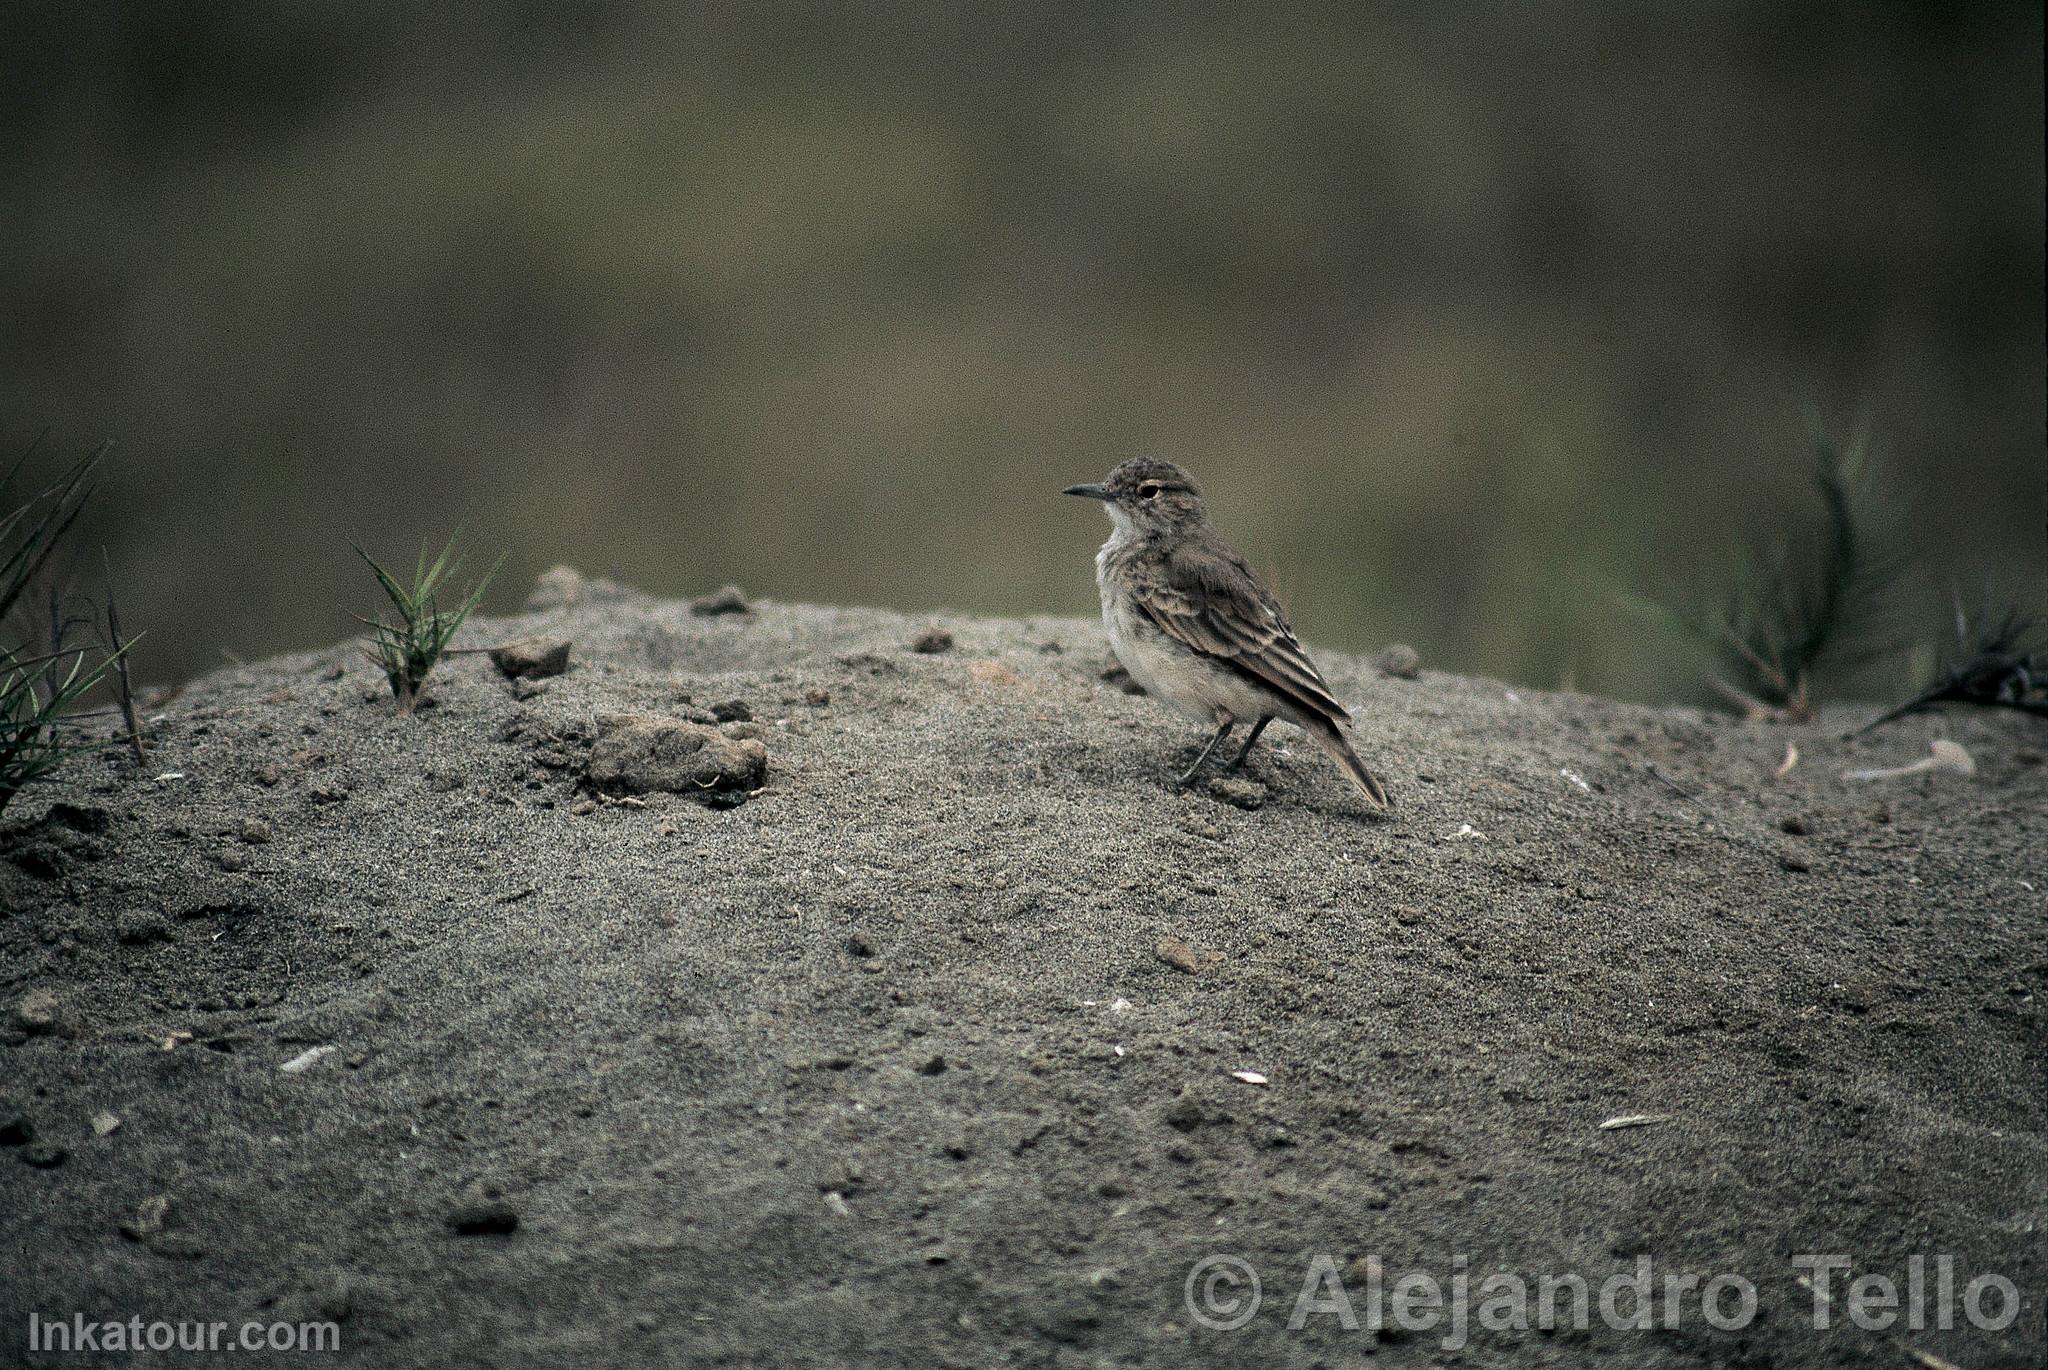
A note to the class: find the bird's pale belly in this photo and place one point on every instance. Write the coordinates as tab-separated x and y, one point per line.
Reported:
1173	674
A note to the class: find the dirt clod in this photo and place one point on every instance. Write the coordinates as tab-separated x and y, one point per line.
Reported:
1399	661
640	754
533	658
727	599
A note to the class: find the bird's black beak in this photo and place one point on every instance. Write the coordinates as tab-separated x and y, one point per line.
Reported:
1086	491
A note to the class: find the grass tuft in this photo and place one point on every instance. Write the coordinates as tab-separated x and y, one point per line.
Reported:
2000	660
38	689
406	651
1785	619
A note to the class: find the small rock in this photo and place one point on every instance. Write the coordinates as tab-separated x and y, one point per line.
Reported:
1400	661
533	658
935	1066
1235	789
1795	826
44	1155
639	753
727	599
230	860
523	689
1407	915
481	1210
583	808
1183	1115
860	946
105	1124
732	711
307	1059
269	776
330	790
932	641
1793	861
1183	956
39	1012
817	697
255	832
148	1220
140	927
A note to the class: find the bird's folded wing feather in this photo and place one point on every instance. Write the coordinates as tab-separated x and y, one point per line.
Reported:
1212	602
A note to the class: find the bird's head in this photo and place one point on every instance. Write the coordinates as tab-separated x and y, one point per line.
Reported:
1148	496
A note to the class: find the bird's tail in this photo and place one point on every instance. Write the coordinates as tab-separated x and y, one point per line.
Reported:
1338	745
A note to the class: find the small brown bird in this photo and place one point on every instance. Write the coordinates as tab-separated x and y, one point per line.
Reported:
1193	625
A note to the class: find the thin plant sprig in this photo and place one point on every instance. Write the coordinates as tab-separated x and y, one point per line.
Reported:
1782	623
2000	660
406	651
31	715
30	531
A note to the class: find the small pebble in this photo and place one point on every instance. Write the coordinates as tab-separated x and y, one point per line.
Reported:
1400	661
39	1012
1183	957
725	600
481	1210
532	657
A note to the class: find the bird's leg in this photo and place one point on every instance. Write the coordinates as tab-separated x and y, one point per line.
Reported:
1222	731
1249	743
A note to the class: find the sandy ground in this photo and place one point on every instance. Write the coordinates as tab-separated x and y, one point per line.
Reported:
887	1064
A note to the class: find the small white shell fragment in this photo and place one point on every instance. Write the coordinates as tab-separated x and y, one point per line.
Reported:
305	1059
1942	755
836	1201
105	1124
1634	1120
1120	1006
1575	778
1250	1077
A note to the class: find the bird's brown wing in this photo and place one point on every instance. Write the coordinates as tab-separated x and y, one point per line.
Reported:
1204	595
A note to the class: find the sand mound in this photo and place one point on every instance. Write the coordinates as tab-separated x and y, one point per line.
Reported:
958	1036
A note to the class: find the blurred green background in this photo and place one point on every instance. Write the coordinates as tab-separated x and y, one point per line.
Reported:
1465	314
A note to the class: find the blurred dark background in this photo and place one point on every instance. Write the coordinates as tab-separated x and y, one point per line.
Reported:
1465	314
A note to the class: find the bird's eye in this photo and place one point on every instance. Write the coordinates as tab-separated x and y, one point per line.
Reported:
1148	491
